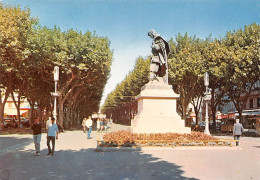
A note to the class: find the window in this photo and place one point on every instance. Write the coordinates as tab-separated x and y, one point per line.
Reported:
258	102
251	103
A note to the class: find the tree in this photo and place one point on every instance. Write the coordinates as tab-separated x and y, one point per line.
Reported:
186	70
244	64
15	27
120	103
84	61
216	57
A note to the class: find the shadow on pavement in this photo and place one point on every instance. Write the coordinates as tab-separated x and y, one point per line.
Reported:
87	164
13	142
245	134
24	131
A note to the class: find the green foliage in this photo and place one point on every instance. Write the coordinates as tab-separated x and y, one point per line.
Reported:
244	64
15	28
28	54
232	63
186	69
121	100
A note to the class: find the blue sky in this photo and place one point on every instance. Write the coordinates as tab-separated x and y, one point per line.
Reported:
126	22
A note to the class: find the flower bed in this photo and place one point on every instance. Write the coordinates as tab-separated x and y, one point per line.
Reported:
127	139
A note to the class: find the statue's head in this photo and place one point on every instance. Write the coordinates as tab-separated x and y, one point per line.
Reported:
152	33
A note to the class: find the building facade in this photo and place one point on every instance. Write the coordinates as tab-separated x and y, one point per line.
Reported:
11	110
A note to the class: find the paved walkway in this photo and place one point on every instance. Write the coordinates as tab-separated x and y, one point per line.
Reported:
76	158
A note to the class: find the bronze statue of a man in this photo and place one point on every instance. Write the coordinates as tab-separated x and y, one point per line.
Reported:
160	51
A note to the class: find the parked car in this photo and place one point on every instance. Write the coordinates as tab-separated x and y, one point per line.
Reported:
217	126
202	124
8	123
200	127
25	122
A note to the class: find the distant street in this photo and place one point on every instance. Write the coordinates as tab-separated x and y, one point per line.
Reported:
76	158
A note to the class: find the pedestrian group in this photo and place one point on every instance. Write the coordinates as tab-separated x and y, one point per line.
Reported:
52	134
53	129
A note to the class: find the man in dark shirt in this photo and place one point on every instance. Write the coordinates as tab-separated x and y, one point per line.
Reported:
37	134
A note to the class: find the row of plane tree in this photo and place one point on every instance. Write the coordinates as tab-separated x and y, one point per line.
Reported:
232	63
28	54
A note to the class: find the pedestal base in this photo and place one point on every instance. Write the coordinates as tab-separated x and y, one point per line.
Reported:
157	111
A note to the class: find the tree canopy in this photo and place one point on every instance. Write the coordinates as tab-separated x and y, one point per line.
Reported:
121	103
232	63
28	54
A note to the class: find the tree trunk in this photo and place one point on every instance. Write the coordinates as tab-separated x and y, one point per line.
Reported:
17	105
2	116
214	127
45	116
184	111
240	101
239	108
213	107
197	105
61	113
68	116
40	110
32	104
2	107
240	115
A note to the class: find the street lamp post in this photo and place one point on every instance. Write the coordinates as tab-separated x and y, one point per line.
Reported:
206	99
56	79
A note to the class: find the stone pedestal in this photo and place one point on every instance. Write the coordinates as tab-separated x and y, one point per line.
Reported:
157	110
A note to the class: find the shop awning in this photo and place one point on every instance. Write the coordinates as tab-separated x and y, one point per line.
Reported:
98	115
249	112
13	112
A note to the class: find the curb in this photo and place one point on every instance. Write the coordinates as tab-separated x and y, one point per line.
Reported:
113	149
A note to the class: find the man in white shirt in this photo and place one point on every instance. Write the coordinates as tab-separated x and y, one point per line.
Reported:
48	122
51	134
88	124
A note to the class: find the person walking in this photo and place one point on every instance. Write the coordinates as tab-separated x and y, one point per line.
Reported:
84	124
101	125
111	122
51	135
88	124
48	122
98	125
105	124
37	135
237	131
